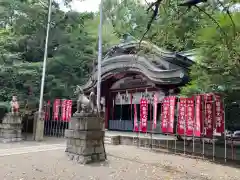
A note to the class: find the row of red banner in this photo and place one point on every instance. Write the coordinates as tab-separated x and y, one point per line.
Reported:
60	107
198	115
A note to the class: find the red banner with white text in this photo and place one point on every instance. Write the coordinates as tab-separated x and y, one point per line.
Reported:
199	120
172	101
63	110
68	110
219	114
135	119
190	116
181	116
208	121
143	114
56	106
165	114
155	101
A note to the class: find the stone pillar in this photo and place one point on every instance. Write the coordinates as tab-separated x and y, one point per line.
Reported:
11	128
38	126
85	139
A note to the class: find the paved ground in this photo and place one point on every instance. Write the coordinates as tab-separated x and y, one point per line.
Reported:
43	161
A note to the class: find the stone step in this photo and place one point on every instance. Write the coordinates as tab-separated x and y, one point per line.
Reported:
31	149
114	140
107	140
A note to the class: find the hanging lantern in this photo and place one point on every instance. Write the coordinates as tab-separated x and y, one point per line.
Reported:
126	96
147	94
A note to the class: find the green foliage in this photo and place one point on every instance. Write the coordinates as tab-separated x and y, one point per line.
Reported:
71	49
217	68
174	29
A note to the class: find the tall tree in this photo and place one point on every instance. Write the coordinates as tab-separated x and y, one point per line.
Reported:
71	49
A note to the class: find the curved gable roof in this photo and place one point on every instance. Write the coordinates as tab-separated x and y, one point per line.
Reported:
158	65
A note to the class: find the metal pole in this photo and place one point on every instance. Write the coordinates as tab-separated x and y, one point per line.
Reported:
99	56
178	105
214	125
45	58
194	125
225	140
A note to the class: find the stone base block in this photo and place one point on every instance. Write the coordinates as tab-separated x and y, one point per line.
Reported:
85	139
85	123
12	119
84	134
81	159
10	140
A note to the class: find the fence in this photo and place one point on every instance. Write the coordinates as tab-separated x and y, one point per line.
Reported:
200	131
57	117
219	150
216	145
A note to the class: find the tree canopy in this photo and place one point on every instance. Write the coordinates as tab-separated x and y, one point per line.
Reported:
72	47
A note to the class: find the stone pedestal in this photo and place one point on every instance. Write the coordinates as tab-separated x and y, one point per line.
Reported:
11	128
85	139
38	126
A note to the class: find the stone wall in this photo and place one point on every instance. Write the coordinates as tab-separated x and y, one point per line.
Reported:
11	128
85	139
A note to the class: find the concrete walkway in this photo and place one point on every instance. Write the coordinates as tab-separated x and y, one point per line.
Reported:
43	161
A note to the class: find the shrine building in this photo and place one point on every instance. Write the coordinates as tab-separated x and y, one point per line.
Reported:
128	74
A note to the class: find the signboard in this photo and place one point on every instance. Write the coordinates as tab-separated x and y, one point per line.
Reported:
190	116
143	114
181	116
199	119
56	106
208	120
136	97
165	115
219	114
172	100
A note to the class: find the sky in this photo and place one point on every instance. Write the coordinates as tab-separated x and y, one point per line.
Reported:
85	5
82	5
91	5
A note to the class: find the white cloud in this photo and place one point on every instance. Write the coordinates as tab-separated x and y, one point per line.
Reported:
81	5
85	5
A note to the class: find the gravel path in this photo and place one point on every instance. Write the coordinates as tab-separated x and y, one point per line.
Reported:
124	163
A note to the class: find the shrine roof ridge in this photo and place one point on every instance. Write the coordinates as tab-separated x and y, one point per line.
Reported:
158	65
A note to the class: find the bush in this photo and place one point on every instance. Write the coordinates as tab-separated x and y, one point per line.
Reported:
4	108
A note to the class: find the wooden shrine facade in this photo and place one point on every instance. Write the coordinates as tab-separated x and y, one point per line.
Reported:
128	75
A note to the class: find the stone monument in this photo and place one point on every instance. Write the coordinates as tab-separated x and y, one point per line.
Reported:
85	136
11	126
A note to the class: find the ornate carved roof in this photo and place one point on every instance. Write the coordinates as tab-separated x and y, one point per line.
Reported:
159	66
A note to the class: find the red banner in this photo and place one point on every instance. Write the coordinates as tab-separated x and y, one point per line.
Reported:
56	106
165	114
135	119
198	121
181	116
155	111
69	110
172	100
219	114
190	116
63	111
143	114
208	122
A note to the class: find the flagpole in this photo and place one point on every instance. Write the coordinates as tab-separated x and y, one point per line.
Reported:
99	56
45	58
225	139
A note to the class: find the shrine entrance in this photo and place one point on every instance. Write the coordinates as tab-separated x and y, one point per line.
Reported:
125	100
127	77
